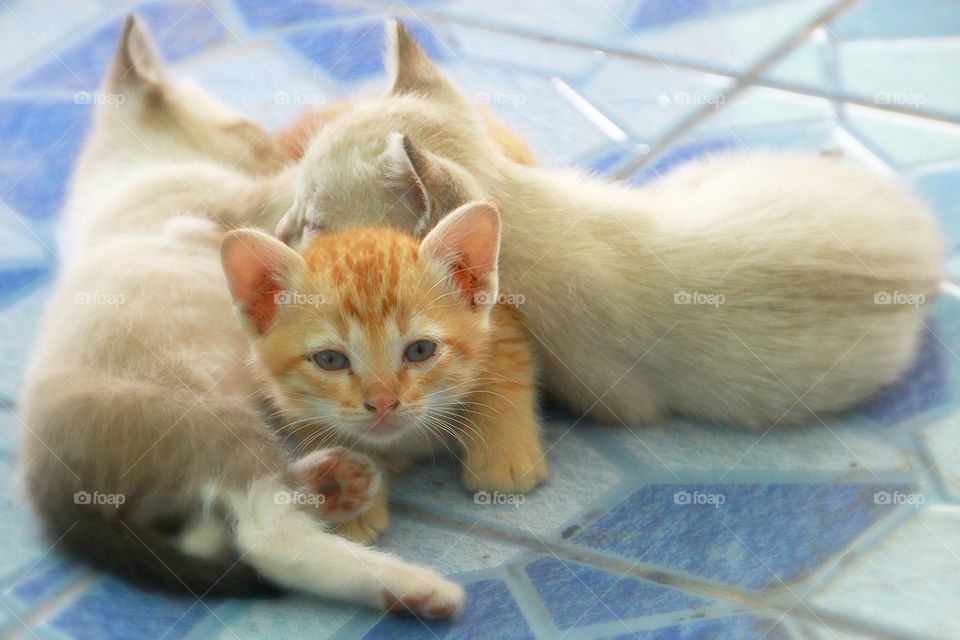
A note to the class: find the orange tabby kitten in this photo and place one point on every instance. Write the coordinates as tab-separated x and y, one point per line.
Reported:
376	341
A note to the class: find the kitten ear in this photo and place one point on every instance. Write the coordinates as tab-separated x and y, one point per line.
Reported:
261	272
467	244
425	183
135	62
411	69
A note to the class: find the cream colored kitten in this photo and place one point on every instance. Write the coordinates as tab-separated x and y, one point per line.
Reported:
748	289
139	408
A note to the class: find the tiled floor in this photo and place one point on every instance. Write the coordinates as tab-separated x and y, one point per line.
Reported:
845	530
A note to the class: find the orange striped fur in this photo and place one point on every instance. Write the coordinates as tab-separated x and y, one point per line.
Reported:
369	293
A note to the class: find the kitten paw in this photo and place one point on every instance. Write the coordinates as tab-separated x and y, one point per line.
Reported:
427	596
367	527
346	482
516	469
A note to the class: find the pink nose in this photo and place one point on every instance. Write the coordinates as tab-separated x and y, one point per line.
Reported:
381	401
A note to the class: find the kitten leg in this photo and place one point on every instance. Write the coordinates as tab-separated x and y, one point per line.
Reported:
502	449
346	483
371	524
287	545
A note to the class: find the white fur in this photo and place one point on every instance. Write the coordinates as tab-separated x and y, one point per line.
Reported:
796	247
145	392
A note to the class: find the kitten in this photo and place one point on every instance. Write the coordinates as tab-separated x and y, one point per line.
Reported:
395	347
293	140
139	410
744	289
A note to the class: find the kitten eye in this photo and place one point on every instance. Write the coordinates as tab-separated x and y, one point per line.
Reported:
420	350
313	227
331	360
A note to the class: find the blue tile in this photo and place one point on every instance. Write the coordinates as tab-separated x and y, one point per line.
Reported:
876	19
733	627
577	595
759	537
653	13
15	281
491	613
355	52
933	379
112	610
684	153
38	144
78	67
182	29
276	14
44	581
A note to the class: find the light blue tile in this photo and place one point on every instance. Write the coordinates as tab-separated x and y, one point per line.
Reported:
917	76
907	583
18	329
579	476
891	19
843	449
295	616
908	141
933	381
943	449
728	40
648	99
755	536
32	29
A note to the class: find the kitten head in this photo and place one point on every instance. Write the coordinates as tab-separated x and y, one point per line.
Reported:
403	160
166	112
369	331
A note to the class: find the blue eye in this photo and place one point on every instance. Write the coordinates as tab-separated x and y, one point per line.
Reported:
331	360
420	350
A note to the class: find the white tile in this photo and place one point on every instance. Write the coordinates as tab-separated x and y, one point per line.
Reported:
909	582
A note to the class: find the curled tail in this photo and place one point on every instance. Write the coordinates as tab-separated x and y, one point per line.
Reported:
146	558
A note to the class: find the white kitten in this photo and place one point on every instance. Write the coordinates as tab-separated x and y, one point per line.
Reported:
750	289
139	405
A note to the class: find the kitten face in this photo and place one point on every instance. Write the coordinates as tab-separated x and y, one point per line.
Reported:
371	333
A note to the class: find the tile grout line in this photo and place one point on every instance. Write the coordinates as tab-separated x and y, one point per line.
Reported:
624	568
656	60
741	84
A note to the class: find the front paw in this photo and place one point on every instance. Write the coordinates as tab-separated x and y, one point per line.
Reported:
515	468
368	526
343	483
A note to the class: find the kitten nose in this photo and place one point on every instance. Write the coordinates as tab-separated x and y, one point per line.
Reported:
381	401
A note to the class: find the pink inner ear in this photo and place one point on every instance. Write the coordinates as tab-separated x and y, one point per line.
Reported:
261	307
472	235
254	281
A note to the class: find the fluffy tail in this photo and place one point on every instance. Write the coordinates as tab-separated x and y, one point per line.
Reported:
148	559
